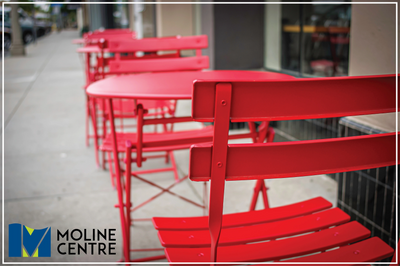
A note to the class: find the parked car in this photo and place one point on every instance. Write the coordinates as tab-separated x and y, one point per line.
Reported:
25	22
43	24
7	36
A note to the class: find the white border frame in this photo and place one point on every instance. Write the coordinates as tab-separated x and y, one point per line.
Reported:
201	3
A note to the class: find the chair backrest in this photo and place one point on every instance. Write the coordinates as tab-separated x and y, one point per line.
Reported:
94	38
224	101
158	63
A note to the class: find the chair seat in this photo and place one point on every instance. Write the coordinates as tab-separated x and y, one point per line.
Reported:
153	142
286	233
368	250
258	232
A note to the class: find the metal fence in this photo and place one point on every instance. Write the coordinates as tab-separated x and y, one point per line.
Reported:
369	196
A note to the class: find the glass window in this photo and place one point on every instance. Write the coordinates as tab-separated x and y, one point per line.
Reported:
315	39
290	38
121	17
6	17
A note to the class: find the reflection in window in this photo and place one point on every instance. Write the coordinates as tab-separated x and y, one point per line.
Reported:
324	33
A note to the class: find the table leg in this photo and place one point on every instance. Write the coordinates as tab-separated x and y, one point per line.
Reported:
118	181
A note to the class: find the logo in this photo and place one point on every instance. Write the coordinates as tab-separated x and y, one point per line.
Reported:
27	242
88	242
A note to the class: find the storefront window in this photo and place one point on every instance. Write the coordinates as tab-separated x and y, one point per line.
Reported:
121	17
315	39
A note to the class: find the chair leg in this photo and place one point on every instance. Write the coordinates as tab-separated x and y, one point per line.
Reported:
104	131
260	186
165	130
87	121
128	187
128	192
118	181
264	189
174	166
104	120
257	190
164	125
111	169
103	158
166	157
94	123
205	198
124	227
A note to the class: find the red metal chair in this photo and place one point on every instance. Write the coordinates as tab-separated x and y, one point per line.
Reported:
96	35
310	229
92	42
140	143
129	62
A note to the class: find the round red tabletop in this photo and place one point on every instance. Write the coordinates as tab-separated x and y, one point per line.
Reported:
172	85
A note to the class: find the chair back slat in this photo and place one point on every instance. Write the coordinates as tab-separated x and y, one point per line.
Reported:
299	99
158	65
158	44
300	158
155	62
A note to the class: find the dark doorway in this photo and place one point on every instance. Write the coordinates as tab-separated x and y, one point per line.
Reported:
239	36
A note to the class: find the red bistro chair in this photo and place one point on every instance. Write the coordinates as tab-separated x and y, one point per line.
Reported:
311	229
137	146
125	61
176	85
151	62
140	143
94	37
106	34
92	42
85	36
119	65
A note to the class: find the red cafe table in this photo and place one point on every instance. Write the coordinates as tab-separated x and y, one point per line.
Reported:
162	86
170	86
167	86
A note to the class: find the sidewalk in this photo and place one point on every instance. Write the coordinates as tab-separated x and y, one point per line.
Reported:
51	178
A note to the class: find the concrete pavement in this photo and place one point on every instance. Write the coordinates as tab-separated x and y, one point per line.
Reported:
50	176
